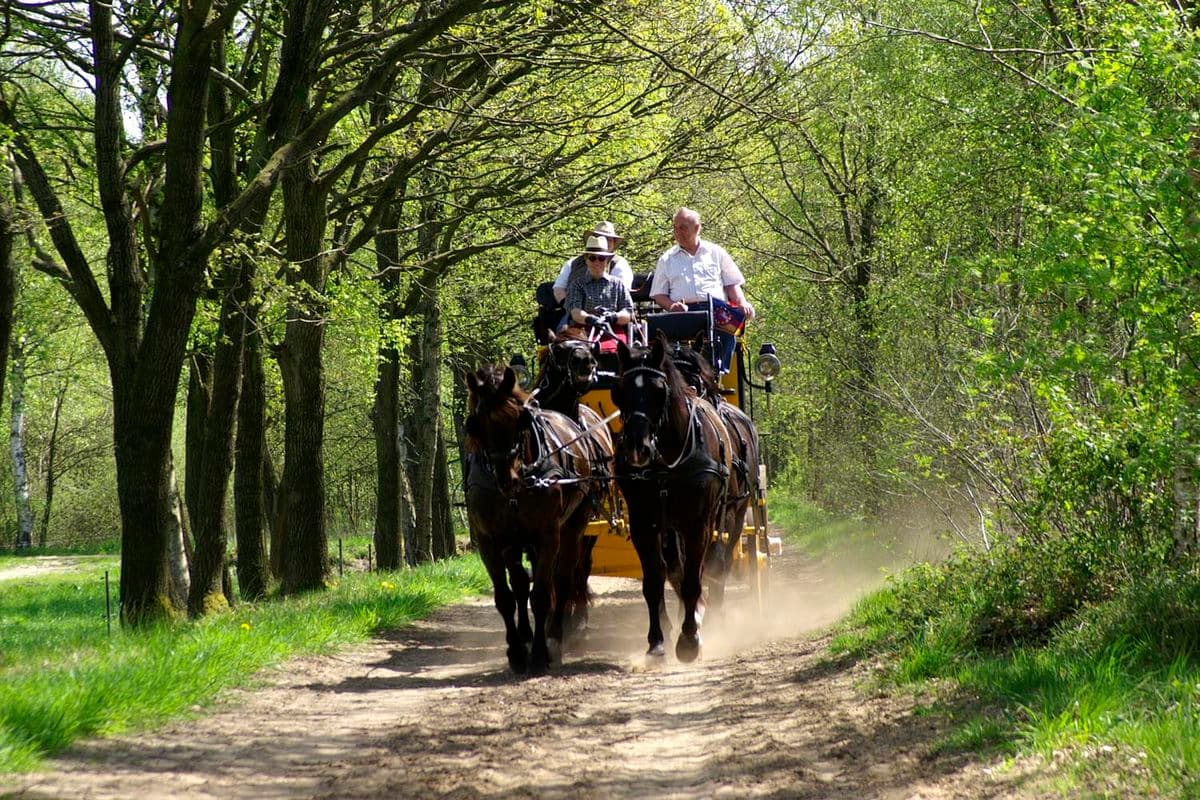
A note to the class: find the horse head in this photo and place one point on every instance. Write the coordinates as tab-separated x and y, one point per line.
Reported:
568	364
498	423
650	395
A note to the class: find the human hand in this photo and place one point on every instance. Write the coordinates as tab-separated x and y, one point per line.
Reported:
678	305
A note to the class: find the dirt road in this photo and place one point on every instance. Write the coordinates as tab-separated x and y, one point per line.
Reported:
431	711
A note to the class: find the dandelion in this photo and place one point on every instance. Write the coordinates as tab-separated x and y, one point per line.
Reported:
387	585
245	626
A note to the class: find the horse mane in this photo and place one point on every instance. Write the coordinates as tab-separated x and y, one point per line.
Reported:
676	385
697	371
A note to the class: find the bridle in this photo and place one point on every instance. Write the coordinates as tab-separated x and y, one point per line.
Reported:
690	442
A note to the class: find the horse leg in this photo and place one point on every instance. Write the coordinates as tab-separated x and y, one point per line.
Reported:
540	600
577	620
566	578
650	554
687	646
519	578
719	562
505	604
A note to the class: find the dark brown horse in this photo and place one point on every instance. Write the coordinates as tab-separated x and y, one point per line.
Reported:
746	490
673	461
567	370
527	487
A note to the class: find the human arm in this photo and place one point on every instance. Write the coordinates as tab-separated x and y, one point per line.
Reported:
736	297
664	301
660	288
560	283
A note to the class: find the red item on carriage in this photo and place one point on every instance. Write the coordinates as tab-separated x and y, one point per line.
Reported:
728	318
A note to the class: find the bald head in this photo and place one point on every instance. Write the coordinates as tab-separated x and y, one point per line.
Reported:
685	225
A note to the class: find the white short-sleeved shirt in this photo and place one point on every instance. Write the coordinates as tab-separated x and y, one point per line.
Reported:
688	278
618	267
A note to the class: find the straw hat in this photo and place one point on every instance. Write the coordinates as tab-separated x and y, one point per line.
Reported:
608	231
597	246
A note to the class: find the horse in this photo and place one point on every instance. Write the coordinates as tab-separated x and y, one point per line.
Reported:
527	489
746	490
567	370
673	464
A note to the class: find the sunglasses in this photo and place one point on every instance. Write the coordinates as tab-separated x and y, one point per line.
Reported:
598	258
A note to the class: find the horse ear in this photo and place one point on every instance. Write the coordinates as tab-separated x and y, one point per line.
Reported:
659	348
623	354
506	385
472	383
551	337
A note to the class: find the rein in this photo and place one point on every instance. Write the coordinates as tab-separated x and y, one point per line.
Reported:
586	432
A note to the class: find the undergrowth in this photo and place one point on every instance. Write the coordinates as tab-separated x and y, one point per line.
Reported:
63	677
1091	662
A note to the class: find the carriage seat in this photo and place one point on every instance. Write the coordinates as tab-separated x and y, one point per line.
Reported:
640	290
678	325
549	312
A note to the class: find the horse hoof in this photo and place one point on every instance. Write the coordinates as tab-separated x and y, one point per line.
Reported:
657	651
687	649
518	660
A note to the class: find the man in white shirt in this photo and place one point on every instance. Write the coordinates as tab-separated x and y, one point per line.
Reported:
694	270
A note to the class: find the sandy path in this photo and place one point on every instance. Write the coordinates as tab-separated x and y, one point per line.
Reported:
33	566
431	711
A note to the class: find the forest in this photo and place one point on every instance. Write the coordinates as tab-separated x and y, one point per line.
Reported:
249	250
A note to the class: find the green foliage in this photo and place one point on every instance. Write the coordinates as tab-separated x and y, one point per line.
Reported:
62	678
1113	680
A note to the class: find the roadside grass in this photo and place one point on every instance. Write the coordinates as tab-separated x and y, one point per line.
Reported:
1110	696
815	532
62	677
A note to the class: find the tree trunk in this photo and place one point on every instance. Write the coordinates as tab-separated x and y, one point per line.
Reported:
273	503
8	287
179	554
305	558
389	469
16	440
393	509
199	397
51	452
443	517
249	493
209	591
429	420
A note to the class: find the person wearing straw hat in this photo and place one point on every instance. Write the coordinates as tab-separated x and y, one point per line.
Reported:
598	296
576	266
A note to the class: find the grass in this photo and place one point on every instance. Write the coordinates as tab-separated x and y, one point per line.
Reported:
62	677
817	533
1111	697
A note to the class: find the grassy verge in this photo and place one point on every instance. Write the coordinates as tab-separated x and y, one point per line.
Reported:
1109	694
62	677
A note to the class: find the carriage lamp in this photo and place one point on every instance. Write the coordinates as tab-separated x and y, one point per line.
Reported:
767	365
524	379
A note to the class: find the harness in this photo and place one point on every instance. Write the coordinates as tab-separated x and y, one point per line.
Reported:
693	461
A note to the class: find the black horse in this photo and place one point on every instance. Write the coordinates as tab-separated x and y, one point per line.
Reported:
567	370
527	487
746	489
673	464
